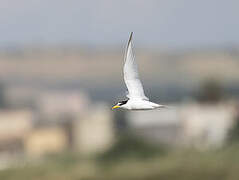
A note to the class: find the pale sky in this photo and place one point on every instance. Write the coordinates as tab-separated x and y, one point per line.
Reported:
156	23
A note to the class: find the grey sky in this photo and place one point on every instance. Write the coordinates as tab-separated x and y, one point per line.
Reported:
162	23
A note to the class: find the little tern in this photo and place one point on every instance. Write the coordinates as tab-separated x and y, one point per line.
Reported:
136	97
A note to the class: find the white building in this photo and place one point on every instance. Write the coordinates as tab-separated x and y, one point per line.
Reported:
207	124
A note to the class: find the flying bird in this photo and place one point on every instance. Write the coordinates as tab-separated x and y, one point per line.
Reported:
136	97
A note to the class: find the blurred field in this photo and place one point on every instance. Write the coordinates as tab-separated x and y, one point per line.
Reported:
177	164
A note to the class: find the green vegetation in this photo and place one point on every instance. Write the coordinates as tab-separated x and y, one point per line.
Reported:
177	164
2	96
234	133
211	91
128	147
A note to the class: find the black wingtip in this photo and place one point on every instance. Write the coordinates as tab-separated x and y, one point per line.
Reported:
131	35
130	38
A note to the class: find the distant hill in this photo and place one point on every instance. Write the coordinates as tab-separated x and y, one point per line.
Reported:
100	69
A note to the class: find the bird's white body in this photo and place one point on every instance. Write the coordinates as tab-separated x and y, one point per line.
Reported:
139	104
137	99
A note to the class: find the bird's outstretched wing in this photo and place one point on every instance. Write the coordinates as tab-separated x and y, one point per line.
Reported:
131	76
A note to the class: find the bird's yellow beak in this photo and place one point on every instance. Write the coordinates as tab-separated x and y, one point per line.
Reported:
114	107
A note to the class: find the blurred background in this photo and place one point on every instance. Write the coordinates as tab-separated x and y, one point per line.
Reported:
61	72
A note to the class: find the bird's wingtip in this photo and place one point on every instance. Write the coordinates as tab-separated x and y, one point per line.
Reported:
130	37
